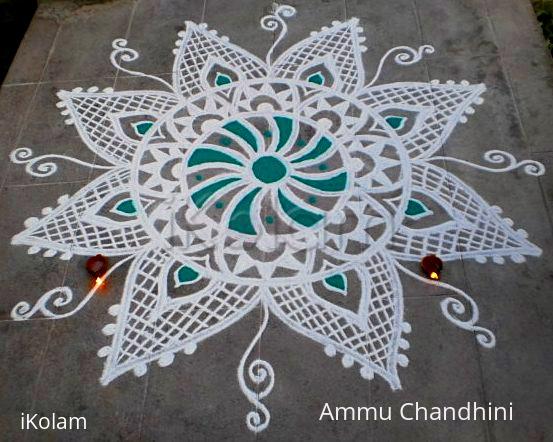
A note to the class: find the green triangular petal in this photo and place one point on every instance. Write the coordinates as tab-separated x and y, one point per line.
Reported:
417	209
222	79
316	78
142	127
336	283
396	122
185	275
126	207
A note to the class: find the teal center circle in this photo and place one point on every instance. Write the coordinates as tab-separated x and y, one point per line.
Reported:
269	169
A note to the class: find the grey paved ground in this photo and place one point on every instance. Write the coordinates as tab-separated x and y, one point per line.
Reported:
51	366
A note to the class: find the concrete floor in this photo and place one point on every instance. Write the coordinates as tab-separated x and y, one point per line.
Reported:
51	366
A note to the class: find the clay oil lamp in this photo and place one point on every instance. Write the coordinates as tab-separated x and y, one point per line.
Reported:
432	266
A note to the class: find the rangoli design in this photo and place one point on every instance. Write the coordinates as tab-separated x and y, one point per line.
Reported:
287	185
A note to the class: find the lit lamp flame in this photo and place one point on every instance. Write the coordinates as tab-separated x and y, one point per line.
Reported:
97	266
431	266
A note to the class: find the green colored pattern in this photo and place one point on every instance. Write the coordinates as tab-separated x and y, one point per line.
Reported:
302	216
142	127
241	219
206	155
285	126
281	169
222	79
322	146
396	122
332	184
186	275
243	132
417	209
269	169
316	78
336	282
126	207
205	193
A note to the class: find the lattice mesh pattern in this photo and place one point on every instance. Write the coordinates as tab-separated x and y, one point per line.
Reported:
148	331
446	102
375	343
94	116
198	46
68	228
339	43
480	230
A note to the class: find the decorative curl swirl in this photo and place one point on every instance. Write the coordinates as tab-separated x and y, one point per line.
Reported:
121	50
530	167
405	56
259	372
411	55
36	167
58	297
274	21
485	337
122	53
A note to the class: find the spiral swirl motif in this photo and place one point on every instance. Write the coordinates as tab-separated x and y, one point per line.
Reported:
259	174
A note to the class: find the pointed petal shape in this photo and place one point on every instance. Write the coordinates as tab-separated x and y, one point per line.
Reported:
88	223
369	336
200	50
476	231
152	325
336	49
337	282
100	116
435	110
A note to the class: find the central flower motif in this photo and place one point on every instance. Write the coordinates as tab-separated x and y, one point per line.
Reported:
268	171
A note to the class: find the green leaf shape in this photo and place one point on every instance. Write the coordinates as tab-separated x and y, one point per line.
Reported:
336	183
301	216
222	79
417	209
204	155
186	275
205	193
322	146
142	127
285	126
243	132
240	219
396	122
336	283
316	78
126	207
